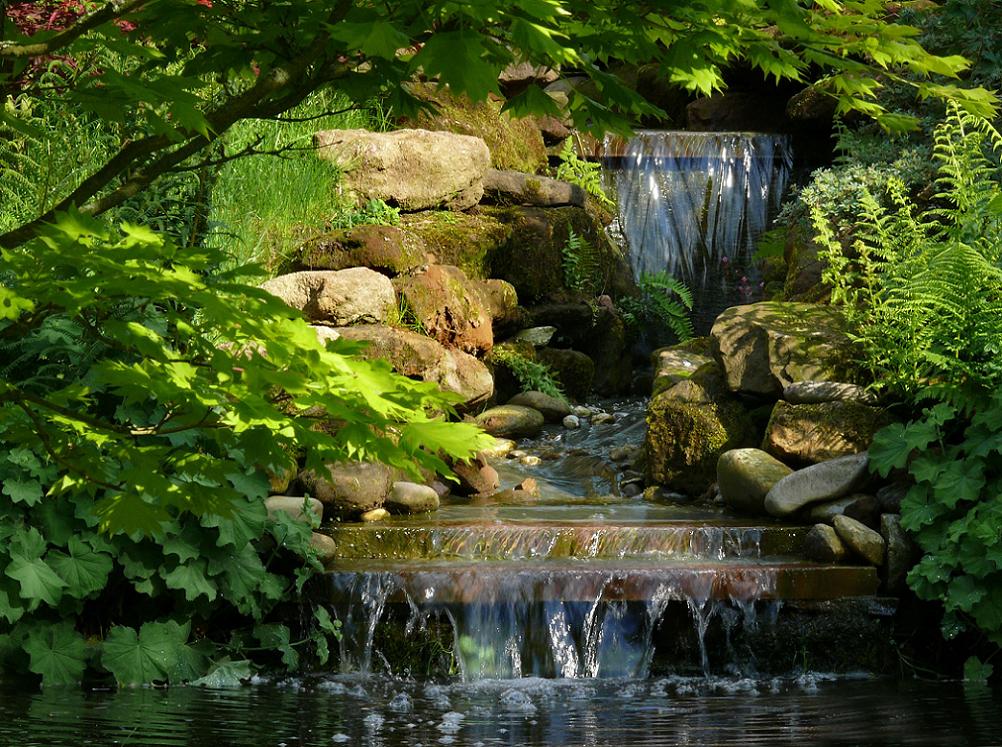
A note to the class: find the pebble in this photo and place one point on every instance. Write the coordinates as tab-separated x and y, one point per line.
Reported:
602	418
581	411
516	454
572	422
530	460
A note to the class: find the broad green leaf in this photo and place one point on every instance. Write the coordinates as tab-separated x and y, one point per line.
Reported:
144	657
28	492
977	671
190	578
38	582
84	571
226	675
57	652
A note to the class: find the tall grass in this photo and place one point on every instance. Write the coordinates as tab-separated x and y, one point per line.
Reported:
260	204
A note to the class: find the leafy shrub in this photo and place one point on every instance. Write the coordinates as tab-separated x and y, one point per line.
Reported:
531	375
374	212
144	397
585	174
923	292
664	303
953	509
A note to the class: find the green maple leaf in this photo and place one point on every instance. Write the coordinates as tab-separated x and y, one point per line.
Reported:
84	571
39	583
190	578
11	608
57	652
277	636
242	577
246	523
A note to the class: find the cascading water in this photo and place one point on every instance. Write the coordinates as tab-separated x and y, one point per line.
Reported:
693	203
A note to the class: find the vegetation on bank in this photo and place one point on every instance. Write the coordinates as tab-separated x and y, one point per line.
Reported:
148	389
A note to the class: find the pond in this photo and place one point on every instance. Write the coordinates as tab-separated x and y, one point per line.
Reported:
810	708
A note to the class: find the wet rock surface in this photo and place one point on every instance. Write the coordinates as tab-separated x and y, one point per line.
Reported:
745	477
511	421
816	484
864	542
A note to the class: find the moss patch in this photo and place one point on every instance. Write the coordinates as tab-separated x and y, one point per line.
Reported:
806	434
465	240
514	143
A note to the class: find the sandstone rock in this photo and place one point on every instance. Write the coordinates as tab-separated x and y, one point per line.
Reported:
350	488
685	440
818	483
528	485
449	307
509	497
860	539
554	410
764	347
538	337
900	552
476	477
822	544
745	476
421	357
806	434
705	385
677	363
343	297
519	188
816	392
389	250
297	507
412	169
574	370
857	506
571	422
411	498
511	421
501	448
376	514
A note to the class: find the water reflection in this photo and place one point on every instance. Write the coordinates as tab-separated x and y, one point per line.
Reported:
810	708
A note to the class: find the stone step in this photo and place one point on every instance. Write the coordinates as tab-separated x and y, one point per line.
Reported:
433	583
526	540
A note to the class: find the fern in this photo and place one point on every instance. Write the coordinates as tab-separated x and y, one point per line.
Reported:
664	303
585	174
923	292
581	264
531	375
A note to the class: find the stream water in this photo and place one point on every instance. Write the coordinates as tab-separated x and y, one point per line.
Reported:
807	709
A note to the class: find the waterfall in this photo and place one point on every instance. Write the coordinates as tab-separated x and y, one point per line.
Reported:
693	204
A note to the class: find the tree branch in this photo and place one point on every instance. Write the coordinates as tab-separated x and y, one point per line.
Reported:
113	9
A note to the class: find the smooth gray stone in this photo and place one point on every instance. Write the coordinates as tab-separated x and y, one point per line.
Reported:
861	540
814	392
820	482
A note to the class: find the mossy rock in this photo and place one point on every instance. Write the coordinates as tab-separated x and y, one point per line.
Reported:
506	385
677	363
685	440
574	370
532	257
465	240
804	266
807	434
386	249
515	143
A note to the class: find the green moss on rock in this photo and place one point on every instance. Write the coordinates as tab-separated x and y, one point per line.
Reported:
807	434
685	440
515	143
465	240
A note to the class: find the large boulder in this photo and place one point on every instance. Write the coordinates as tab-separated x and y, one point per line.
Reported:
420	357
519	188
349	489
513	142
573	370
816	392
745	476
764	347
411	169
354	296
807	434
465	240
502	302
511	421
386	249
450	308
817	484
685	440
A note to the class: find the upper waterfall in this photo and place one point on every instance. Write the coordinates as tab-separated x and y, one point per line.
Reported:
693	203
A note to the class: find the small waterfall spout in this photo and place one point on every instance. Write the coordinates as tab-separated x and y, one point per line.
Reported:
693	203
